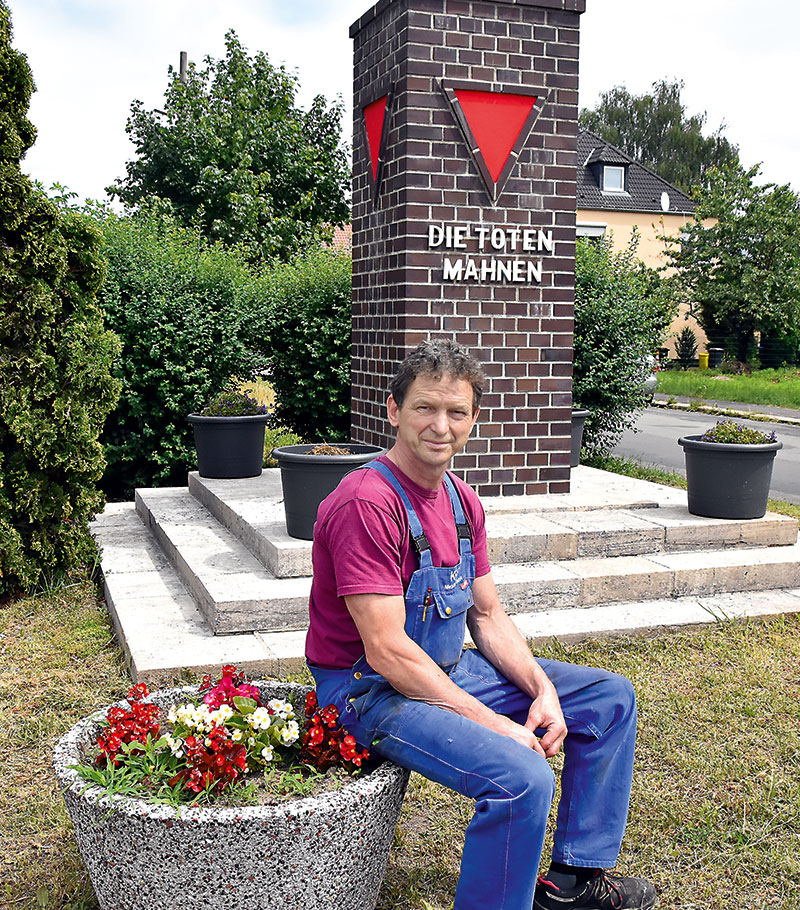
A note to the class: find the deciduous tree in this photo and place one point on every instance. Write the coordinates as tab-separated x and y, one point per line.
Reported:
738	261
655	130
234	155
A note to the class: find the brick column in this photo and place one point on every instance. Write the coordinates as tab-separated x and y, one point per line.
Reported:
443	243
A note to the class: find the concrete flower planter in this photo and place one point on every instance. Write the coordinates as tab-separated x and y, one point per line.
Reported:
330	850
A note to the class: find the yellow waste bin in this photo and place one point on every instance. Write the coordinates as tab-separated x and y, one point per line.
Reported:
702	361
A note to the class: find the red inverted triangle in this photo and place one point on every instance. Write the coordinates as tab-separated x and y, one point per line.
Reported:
496	120
374	116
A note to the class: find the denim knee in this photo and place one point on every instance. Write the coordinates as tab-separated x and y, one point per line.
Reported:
524	776
620	693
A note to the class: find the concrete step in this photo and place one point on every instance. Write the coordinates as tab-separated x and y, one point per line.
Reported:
233	589
236	593
634	520
165	637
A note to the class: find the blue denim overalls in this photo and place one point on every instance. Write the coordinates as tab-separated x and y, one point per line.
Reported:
512	785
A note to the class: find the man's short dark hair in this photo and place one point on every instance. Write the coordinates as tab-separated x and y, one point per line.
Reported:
438	357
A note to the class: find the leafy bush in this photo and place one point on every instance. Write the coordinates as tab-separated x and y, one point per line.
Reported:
55	360
622	311
306	324
177	303
686	347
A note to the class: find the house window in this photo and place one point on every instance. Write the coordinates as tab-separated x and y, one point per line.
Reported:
594	230
613	178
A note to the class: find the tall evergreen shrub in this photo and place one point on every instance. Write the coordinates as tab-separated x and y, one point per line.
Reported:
55	358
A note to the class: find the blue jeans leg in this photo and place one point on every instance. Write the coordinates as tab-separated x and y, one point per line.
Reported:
512	786
600	711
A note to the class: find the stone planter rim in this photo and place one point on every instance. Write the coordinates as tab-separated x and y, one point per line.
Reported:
300	453
67	752
580	412
695	442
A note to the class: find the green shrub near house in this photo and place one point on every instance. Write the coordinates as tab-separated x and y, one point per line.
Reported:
622	312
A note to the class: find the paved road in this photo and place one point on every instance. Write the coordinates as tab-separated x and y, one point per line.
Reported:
657	444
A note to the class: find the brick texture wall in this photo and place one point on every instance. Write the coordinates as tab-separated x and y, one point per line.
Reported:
522	331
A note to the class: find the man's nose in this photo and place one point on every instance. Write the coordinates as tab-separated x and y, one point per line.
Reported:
440	423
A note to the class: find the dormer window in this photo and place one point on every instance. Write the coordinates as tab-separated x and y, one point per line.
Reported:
613	178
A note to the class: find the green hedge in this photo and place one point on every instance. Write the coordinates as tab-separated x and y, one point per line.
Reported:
306	325
177	303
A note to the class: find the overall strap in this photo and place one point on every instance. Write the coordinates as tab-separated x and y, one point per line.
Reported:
418	538
462	527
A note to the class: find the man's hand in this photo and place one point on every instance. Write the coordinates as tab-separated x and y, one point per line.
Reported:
545	714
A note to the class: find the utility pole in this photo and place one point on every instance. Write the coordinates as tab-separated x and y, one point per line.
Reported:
183	65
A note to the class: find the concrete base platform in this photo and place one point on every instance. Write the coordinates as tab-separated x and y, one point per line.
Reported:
190	576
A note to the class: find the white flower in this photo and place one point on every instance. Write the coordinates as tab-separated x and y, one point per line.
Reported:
237	735
260	719
223	713
282	709
268	753
175	745
290	733
251	740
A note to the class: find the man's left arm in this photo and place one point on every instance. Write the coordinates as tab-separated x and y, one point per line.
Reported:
501	643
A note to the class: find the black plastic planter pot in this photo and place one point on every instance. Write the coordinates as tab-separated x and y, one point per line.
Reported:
308	479
578	422
728	480
229	446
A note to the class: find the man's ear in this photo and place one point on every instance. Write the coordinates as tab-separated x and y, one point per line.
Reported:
392	409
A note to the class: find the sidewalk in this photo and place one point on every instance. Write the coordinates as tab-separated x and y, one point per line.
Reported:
729	408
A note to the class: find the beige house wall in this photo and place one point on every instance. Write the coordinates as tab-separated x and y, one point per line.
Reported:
619	225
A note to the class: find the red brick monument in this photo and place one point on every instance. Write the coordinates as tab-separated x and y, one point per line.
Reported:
465	124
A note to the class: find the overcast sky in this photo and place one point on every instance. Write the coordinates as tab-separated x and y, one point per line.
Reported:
91	58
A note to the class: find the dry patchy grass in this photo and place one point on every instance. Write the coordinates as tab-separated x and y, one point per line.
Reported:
715	813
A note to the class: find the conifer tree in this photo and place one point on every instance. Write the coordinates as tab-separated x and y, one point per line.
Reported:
56	387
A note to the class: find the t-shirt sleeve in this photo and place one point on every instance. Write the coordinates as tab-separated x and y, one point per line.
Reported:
364	543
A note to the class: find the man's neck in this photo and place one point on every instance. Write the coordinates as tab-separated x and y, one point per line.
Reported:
429	477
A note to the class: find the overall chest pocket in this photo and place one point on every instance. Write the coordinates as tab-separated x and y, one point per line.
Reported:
443	629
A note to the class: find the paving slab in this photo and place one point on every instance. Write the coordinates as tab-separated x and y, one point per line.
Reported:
684	531
163	634
252	509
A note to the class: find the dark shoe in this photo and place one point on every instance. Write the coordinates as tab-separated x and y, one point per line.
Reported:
602	892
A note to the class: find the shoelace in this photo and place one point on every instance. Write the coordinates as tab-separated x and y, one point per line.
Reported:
602	886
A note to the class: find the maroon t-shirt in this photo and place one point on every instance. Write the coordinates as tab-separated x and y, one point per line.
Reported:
362	545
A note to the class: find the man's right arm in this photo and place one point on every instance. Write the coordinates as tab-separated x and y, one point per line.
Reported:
380	619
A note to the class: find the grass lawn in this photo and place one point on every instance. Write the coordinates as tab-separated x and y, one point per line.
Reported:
776	387
715	814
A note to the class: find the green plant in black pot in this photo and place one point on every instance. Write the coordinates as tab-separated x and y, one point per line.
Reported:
729	470
229	435
728	432
233	403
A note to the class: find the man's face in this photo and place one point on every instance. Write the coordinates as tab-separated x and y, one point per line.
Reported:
435	420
